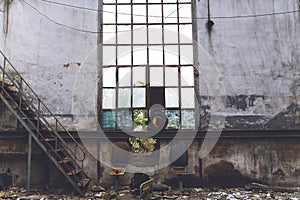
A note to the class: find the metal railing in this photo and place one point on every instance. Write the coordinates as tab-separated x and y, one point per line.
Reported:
10	77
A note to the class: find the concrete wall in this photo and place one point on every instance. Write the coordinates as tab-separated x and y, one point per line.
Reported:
256	59
46	54
232	162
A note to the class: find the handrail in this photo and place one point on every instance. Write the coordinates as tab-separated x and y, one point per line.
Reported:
41	103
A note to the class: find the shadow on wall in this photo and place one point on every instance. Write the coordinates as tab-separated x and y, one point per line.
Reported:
224	174
7	179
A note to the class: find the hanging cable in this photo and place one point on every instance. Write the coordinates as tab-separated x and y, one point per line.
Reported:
200	18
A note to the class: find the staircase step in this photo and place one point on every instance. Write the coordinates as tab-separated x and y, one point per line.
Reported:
74	172
84	182
65	161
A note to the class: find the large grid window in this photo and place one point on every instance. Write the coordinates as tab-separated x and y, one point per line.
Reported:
147	52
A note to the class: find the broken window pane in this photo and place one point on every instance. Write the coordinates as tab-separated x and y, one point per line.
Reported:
173	119
188	119
140	119
108	120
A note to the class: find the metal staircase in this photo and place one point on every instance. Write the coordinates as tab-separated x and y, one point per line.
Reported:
43	126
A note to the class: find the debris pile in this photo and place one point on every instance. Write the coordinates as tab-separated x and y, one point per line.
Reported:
160	192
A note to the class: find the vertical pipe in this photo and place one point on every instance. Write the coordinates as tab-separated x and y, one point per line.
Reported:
29	163
208	10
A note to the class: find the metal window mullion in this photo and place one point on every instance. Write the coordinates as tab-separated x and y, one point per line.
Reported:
179	66
195	63
132	59
117	69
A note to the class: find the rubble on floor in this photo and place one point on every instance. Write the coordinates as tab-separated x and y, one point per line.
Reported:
125	194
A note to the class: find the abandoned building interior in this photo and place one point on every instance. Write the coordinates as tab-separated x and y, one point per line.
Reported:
94	92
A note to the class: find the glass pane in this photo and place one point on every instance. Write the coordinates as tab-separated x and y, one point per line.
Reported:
171	76
171	55
123	1
156	76
187	98
187	76
185	13
169	1
124	14
139	76
154	1
172	98
139	1
155	34
186	54
109	77
171	34
140	56
156	55
173	119
139	97
186	33
139	13
124	120
124	55
109	1
124	98
109	99
155	15
109	34
124	76
109	55
108	120
139	35
109	14
188	119
124	34
170	13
